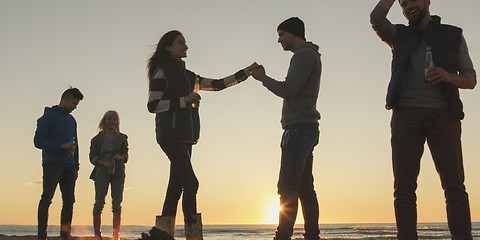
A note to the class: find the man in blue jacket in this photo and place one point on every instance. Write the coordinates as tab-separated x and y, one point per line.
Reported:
56	135
300	122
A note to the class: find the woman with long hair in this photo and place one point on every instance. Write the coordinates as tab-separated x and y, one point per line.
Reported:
172	98
109	153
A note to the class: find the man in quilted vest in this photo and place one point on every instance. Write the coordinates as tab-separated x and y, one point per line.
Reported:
426	106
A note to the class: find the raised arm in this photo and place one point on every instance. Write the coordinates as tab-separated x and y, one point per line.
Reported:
380	24
386	3
208	84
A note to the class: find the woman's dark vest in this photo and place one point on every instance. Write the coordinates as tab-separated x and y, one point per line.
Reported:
445	43
182	124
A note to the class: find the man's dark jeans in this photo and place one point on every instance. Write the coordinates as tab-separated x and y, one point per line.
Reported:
65	175
182	178
296	180
410	128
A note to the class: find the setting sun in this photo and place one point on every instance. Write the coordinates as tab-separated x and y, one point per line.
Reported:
273	208
271	211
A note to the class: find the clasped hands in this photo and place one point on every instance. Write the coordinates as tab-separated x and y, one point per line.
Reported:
257	71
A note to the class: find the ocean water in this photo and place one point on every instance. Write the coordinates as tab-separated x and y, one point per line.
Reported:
258	232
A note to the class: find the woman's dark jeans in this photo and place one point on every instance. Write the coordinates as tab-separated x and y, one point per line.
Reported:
182	178
101	189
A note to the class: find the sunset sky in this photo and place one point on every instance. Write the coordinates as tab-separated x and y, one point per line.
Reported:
101	47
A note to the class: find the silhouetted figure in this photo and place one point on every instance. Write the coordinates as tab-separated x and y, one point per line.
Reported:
426	105
171	98
300	123
56	135
109	153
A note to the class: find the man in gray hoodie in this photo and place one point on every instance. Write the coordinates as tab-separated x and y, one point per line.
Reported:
300	123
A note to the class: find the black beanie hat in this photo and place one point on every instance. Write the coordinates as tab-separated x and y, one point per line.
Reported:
294	26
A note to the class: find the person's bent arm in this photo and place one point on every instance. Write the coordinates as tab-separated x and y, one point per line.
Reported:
466	78
124	149
156	101
380	24
466	67
301	66
386	3
41	139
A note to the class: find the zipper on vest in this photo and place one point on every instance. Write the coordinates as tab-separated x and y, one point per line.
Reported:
174	118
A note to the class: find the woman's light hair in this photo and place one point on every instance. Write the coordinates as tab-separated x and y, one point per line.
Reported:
103	121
